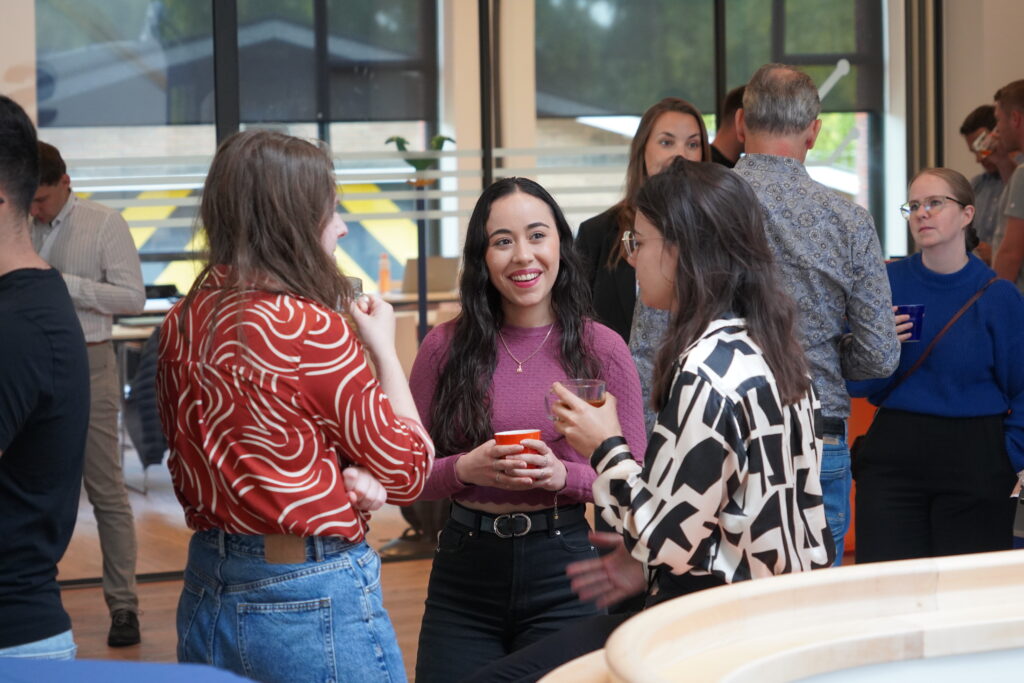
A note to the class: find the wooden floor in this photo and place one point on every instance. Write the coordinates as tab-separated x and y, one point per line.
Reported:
163	541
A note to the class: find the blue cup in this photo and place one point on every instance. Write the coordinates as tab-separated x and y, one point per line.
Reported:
916	313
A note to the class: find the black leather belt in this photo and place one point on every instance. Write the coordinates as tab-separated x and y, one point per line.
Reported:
513	524
835	426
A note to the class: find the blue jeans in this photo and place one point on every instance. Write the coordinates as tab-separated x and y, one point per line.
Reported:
60	646
489	596
836	482
324	617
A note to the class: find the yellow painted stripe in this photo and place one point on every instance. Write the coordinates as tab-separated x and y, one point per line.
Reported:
138	214
397	235
350	268
182	274
140	235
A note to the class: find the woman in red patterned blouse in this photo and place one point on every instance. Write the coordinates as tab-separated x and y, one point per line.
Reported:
281	439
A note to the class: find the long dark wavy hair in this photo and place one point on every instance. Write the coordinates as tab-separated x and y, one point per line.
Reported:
637	171
725	265
461	409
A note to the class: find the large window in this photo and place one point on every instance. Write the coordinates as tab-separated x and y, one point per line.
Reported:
126	92
601	63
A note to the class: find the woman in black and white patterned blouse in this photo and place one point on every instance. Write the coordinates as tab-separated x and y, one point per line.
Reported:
729	489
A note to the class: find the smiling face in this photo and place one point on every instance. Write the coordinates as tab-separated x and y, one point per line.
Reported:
655	264
939	229
522	257
673	134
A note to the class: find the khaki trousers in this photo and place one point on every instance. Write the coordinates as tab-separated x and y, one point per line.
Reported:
104	481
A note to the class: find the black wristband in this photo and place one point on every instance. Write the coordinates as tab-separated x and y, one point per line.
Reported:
606	446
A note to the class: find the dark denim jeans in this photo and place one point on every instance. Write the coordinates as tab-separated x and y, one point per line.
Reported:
312	621
489	596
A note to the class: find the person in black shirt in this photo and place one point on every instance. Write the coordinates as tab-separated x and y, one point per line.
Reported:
727	147
44	413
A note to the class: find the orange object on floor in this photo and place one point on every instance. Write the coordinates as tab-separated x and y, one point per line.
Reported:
861	415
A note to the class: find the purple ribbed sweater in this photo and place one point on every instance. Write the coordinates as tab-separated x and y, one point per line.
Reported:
519	404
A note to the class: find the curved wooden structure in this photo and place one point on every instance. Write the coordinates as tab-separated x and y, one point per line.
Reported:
798	625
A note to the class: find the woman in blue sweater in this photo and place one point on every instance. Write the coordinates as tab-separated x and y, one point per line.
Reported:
935	474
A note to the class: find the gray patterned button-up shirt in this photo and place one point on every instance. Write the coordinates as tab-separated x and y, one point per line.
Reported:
831	264
649	325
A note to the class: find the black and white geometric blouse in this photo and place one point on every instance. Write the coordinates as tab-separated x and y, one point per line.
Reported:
730	482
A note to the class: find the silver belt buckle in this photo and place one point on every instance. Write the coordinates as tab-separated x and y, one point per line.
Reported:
511	516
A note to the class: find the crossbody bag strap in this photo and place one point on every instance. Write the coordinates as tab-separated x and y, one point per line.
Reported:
935	340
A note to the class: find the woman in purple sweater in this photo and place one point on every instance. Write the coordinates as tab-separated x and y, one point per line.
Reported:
498	582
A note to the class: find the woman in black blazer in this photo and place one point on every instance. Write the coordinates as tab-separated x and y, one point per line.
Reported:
672	127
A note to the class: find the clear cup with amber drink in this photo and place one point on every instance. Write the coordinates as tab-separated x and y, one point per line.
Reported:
590	390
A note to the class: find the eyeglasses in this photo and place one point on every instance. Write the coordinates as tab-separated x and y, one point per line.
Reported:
931	205
630	244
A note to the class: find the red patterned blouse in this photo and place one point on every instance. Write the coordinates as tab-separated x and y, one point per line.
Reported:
259	431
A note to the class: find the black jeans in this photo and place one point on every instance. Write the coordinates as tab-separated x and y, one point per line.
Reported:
489	596
930	486
533	662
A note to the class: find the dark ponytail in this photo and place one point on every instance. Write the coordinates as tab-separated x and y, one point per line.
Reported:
971	238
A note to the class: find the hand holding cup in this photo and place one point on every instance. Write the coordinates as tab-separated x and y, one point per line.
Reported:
375	320
584	425
590	390
909	318
490	464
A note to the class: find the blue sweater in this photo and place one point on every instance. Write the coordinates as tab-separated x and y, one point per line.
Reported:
977	368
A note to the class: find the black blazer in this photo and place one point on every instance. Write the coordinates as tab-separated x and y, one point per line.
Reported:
614	290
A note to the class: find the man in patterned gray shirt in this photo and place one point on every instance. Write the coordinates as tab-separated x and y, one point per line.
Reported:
830	261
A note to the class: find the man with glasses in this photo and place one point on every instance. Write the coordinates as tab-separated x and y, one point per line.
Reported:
1008	242
829	259
978	131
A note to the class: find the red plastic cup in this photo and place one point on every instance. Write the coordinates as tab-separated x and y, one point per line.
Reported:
515	437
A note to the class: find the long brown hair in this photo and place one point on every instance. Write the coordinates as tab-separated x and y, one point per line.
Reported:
725	267
266	201
637	171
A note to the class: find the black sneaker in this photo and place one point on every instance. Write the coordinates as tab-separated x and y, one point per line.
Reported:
124	629
411	545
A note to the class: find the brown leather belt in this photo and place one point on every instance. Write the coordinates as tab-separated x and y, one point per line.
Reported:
107	341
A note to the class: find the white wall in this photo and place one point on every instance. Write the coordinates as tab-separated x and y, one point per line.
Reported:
984	50
18	53
894	228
